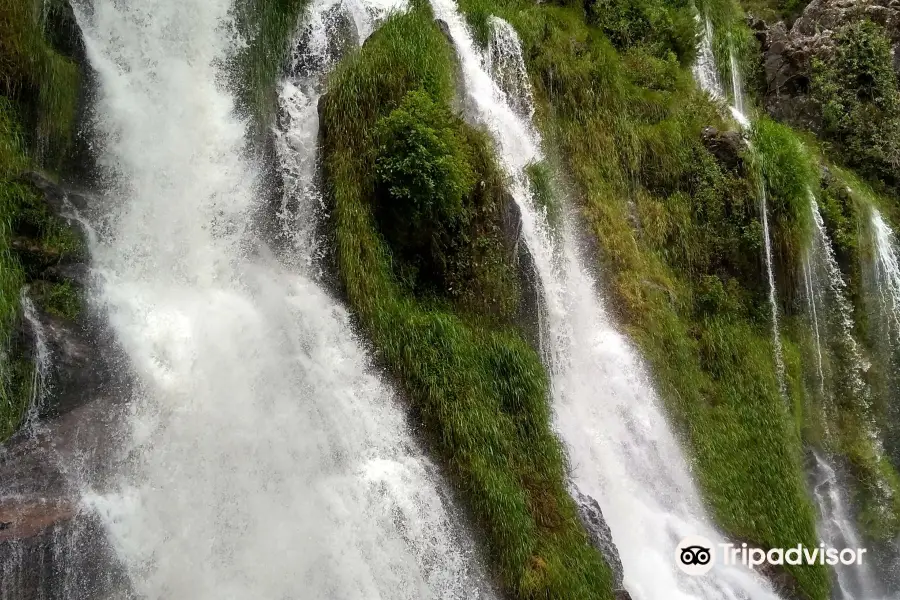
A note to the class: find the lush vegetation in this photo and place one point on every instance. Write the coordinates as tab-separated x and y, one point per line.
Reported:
626	122
480	389
856	87
38	96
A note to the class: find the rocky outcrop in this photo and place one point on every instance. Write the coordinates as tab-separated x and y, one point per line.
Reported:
50	546
726	146
601	537
788	51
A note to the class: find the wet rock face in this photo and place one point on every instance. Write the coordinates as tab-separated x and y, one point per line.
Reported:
49	551
726	146
788	51
601	537
76	372
50	547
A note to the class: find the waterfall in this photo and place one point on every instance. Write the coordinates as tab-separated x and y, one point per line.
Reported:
737	87
821	256
810	286
770	274
329	29
705	72
887	271
622	451
263	456
837	530
706	75
41	358
832	321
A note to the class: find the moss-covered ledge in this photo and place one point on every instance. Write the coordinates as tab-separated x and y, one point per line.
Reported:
480	389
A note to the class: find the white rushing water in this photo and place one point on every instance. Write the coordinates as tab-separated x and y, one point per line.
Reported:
705	72
263	458
42	357
622	451
887	270
832	301
329	29
838	530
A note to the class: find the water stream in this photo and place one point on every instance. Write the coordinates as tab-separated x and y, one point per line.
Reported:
263	458
622	451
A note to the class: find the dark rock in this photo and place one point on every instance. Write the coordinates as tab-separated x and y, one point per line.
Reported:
50	547
445	29
60	200
788	52
621	595
726	146
530	304
601	536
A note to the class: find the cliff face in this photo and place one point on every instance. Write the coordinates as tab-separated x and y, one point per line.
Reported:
427	252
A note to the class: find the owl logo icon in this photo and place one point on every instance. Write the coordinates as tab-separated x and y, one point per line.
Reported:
694	555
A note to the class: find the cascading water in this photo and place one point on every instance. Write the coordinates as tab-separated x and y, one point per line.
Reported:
823	265
330	28
770	274
831	316
264	459
41	360
838	530
622	451
706	74
887	271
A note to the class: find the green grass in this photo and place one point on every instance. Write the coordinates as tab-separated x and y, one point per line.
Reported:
480	389
12	160
688	283
38	99
42	83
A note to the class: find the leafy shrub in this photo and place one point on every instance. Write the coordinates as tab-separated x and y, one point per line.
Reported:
856	87
663	27
423	177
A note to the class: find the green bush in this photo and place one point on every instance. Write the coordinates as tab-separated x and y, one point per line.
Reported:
856	87
423	178
660	26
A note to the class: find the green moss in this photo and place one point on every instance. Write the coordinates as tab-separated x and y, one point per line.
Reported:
681	241
479	388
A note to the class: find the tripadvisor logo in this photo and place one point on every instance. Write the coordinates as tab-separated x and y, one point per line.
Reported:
696	555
